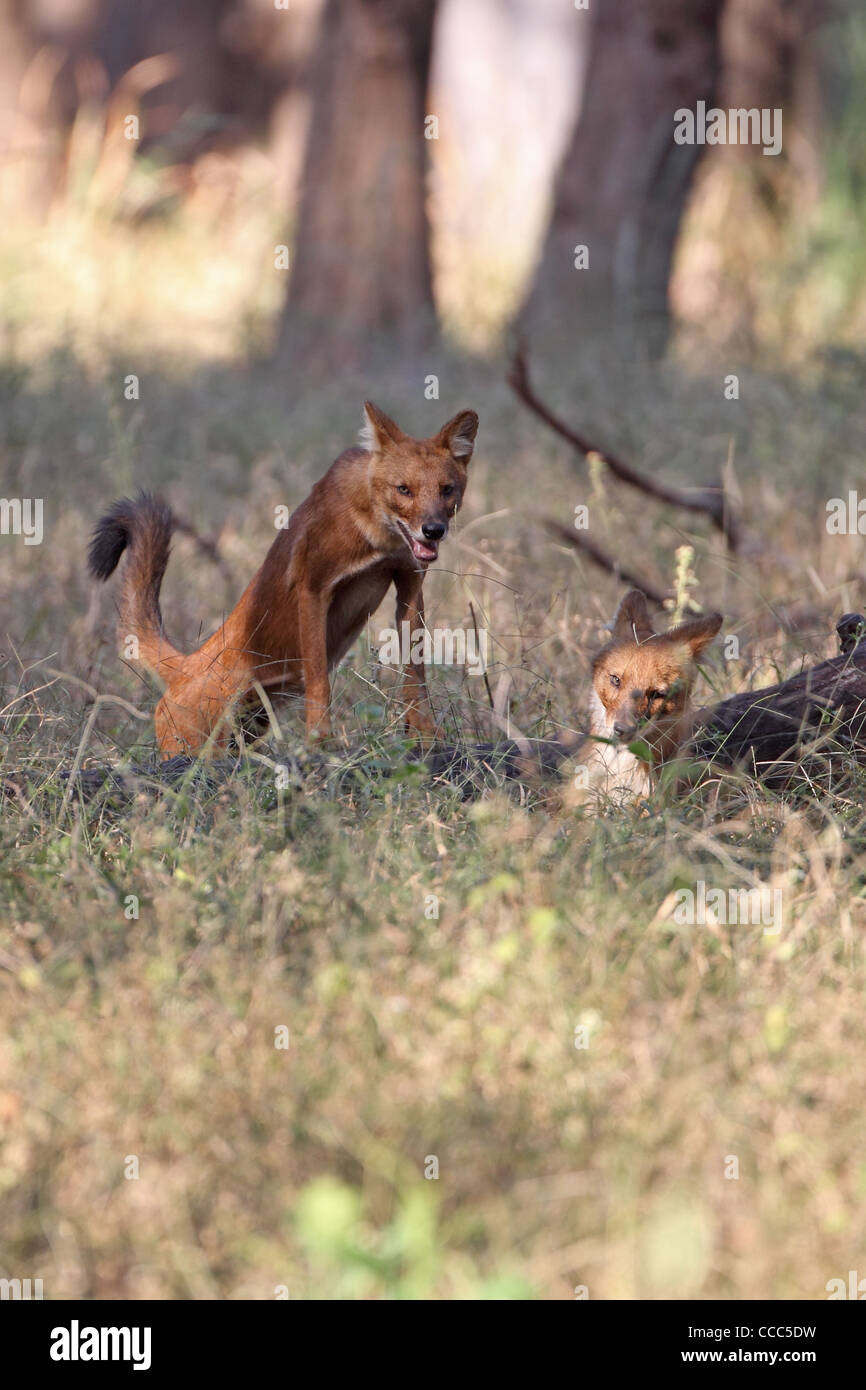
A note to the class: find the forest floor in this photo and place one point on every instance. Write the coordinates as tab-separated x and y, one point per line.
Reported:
367	1037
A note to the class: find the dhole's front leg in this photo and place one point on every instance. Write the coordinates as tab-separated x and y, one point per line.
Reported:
410	609
313	633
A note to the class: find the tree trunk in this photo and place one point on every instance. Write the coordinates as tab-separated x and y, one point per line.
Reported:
622	186
360	277
762	46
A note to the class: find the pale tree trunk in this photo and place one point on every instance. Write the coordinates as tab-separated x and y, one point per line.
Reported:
623	183
360	277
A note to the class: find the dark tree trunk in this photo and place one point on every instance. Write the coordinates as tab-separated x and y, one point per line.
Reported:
622	186
360	277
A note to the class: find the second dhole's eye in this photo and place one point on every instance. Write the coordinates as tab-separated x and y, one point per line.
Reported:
404	490
653	695
447	490
615	682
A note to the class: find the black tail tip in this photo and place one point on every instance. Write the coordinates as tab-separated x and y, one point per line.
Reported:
113	531
110	539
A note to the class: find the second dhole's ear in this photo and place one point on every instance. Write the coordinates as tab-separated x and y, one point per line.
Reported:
378	429
696	634
458	436
632	622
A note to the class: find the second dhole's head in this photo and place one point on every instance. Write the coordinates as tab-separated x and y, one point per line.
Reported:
417	484
643	676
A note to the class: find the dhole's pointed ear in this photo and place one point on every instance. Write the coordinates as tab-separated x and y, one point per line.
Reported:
458	436
378	429
632	622
696	634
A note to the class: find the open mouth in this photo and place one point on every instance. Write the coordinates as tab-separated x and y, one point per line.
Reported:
424	551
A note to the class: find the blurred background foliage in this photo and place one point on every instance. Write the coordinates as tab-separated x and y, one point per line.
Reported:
305	127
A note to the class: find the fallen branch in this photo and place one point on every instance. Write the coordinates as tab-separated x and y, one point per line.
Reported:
709	501
581	542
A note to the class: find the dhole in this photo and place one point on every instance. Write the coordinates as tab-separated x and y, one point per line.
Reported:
376	518
641	690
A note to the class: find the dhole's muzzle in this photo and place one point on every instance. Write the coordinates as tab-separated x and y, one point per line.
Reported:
425	547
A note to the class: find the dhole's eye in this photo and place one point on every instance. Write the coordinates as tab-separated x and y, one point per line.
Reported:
448	490
653	695
404	490
615	682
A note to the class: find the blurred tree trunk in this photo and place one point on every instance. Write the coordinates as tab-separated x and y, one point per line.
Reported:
746	205
622	186
761	45
360	279
770	59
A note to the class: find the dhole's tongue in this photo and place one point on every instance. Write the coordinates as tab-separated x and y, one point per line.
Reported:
424	552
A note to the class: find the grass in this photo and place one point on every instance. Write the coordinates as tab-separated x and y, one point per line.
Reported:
492	984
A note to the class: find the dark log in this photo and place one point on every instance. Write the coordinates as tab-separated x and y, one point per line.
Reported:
806	728
470	768
811	724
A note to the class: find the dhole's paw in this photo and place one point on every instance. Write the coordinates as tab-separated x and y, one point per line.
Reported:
319	732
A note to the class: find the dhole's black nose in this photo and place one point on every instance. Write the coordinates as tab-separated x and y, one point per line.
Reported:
622	729
433	530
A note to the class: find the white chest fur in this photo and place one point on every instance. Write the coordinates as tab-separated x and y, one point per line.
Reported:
613	770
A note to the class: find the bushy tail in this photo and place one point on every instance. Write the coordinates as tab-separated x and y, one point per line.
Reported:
142	527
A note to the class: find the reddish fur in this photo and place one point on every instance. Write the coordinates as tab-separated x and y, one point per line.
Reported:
321	579
652	700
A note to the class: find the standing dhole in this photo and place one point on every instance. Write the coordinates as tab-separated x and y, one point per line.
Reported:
376	518
641	691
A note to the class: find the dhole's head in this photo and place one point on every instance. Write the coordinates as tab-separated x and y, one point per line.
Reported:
643	676
416	485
